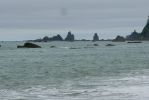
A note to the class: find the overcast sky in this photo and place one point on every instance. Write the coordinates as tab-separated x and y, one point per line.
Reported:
31	19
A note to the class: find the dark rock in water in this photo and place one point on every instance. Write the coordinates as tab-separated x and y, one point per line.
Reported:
145	31
110	45
95	37
29	45
19	46
119	39
96	45
74	48
134	36
88	47
52	46
69	37
84	40
135	42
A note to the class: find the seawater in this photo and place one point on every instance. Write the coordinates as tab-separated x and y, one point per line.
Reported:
74	71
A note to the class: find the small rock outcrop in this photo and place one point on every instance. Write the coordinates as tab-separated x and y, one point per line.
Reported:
95	37
134	42
29	45
110	45
95	44
69	37
119	39
52	46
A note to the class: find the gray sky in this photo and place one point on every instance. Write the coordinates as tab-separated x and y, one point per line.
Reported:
31	19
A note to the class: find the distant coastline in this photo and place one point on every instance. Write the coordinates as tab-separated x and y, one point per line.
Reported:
134	36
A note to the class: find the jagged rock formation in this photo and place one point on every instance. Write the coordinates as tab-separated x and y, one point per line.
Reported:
46	39
134	36
29	45
54	38
95	37
119	39
145	31
69	37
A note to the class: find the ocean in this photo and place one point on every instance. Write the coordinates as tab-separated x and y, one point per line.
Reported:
74	71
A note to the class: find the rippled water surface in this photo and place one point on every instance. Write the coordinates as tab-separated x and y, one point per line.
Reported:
74	71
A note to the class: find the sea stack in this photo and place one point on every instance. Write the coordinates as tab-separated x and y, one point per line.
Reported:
145	31
95	37
69	37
